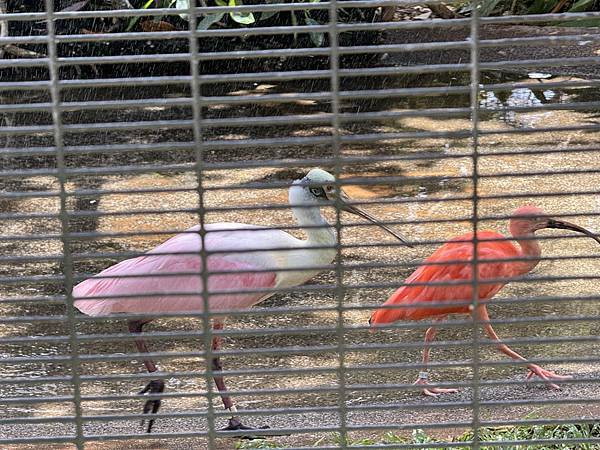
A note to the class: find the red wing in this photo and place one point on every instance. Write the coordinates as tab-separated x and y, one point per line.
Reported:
451	283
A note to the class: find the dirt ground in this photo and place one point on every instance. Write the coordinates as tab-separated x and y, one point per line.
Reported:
423	165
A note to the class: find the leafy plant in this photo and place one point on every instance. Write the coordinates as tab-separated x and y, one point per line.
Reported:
552	433
238	18
582	6
542	6
499	7
146	5
486	7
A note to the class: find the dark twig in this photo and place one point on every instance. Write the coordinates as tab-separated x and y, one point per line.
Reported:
513	7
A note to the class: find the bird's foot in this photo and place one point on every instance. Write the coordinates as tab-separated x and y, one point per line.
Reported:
432	391
152	405
546	375
235	424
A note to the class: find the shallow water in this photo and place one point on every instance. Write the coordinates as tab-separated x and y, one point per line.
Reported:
436	188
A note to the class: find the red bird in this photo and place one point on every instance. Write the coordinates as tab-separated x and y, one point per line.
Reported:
453	264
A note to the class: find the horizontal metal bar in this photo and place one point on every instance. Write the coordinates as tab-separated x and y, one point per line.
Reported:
359	328
344	265
304	350
272	142
295	52
287	120
298	391
167	146
109	13
294	410
435	23
292	332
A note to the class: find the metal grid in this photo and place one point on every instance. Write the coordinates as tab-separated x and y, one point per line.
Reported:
100	169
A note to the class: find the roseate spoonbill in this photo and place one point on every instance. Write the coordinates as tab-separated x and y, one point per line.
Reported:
275	250
412	301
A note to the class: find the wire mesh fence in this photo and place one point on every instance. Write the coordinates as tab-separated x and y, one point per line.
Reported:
141	138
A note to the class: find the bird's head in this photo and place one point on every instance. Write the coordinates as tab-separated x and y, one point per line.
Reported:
529	218
318	188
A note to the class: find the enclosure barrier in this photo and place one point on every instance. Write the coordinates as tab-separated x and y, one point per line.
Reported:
125	126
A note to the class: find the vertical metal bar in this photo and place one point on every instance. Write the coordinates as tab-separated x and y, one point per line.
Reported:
199	157
64	220
474	93
339	280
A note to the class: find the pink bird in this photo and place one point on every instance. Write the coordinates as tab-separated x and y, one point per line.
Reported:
453	263
126	286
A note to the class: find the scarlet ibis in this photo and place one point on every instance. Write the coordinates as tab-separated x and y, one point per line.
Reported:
453	262
252	258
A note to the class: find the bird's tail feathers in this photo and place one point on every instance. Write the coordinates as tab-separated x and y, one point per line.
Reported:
388	315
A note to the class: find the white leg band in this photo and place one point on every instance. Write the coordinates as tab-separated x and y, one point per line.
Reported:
423	376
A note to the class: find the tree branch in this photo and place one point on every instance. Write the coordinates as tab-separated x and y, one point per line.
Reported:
441	10
3	25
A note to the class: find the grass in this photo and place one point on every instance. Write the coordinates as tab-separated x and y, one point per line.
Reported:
551	433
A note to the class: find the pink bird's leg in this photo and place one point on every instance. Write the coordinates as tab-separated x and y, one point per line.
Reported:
424	376
152	405
234	422
482	314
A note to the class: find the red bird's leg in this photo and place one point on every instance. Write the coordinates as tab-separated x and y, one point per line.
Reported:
423	379
152	405
481	313
234	422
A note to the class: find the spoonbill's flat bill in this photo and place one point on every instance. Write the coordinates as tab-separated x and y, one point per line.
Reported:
453	262
246	254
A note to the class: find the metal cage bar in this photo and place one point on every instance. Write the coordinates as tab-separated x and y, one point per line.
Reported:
440	126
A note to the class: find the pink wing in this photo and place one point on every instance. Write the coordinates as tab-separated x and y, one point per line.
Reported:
171	293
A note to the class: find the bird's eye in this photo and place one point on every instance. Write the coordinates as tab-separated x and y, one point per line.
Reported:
317	192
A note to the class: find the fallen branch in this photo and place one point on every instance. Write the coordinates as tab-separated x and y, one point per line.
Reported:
11	49
388	13
560	5
441	10
19	52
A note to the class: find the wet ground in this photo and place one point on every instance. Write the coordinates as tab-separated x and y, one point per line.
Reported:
545	153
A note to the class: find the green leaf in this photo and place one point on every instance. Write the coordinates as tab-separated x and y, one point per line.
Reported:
75	6
207	21
582	6
580	23
267	15
542	6
317	38
135	20
245	18
487	6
